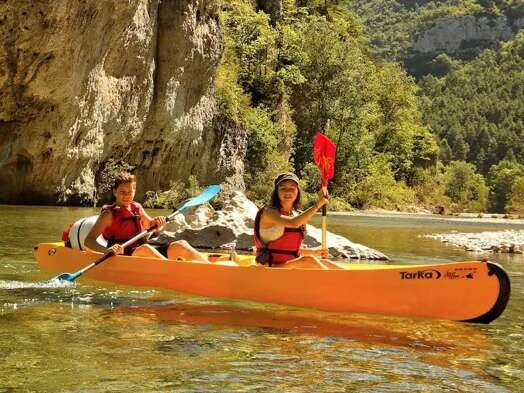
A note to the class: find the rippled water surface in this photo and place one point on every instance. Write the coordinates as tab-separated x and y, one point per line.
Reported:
97	337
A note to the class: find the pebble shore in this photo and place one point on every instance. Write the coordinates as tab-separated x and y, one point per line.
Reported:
509	241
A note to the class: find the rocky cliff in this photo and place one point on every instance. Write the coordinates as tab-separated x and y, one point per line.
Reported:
453	34
459	36
85	84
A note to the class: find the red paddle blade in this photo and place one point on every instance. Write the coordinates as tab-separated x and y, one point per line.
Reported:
324	151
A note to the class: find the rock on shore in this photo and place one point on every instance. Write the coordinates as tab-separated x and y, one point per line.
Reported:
510	241
232	227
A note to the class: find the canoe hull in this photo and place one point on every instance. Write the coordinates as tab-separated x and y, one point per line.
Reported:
461	291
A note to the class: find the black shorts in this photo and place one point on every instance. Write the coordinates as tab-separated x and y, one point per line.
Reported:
161	248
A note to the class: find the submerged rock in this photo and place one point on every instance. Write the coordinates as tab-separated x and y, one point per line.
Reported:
231	227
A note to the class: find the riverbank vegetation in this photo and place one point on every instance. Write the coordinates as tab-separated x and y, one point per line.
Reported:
452	142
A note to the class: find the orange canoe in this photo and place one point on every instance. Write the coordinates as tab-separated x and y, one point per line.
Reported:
461	291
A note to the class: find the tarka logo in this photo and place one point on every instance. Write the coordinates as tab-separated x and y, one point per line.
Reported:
420	275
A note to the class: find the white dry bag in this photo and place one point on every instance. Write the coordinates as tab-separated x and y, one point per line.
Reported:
79	231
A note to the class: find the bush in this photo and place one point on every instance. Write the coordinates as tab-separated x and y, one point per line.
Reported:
379	188
466	188
177	193
429	187
260	184
501	178
338	204
516	197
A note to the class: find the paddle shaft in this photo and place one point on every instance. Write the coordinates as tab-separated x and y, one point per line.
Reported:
205	196
111	253
324	227
324	221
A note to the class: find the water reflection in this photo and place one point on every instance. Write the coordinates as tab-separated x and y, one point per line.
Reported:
296	322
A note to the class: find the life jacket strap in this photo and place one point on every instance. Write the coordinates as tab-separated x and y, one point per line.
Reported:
265	256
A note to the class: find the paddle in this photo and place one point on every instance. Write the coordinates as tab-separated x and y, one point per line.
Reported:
203	197
324	155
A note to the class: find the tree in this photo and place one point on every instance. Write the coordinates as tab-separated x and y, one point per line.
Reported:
465	187
500	180
516	197
446	154
380	189
479	105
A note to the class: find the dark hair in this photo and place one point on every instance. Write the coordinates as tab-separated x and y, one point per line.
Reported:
275	200
122	178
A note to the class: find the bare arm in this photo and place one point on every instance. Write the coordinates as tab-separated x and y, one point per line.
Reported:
272	217
104	220
148	221
316	252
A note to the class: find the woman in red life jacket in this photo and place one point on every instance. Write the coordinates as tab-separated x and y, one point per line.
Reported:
280	228
126	218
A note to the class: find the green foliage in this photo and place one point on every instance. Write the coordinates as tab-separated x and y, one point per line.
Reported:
177	193
392	25
311	178
231	100
339	204
260	184
477	108
251	93
252	41
501	178
193	188
516	197
312	69
430	187
466	188
379	188
371	108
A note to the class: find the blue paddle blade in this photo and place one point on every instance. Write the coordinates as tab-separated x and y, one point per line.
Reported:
206	195
67	277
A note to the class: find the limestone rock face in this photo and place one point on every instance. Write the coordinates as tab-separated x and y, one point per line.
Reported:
232	227
451	34
89	82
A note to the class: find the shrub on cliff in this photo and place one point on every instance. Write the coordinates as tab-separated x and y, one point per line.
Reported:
177	192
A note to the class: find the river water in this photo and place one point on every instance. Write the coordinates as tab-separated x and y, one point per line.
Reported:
98	337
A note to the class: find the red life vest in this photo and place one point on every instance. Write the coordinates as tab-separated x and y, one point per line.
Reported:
280	250
126	223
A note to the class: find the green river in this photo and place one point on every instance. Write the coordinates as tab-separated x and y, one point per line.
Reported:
98	337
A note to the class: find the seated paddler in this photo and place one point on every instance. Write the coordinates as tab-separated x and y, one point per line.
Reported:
126	218
280	228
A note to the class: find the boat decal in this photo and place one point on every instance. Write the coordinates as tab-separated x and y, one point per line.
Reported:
429	274
461	272
51	251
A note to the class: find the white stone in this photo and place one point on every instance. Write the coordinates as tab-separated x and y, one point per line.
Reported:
232	226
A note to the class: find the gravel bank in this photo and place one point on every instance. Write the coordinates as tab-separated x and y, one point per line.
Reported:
509	241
